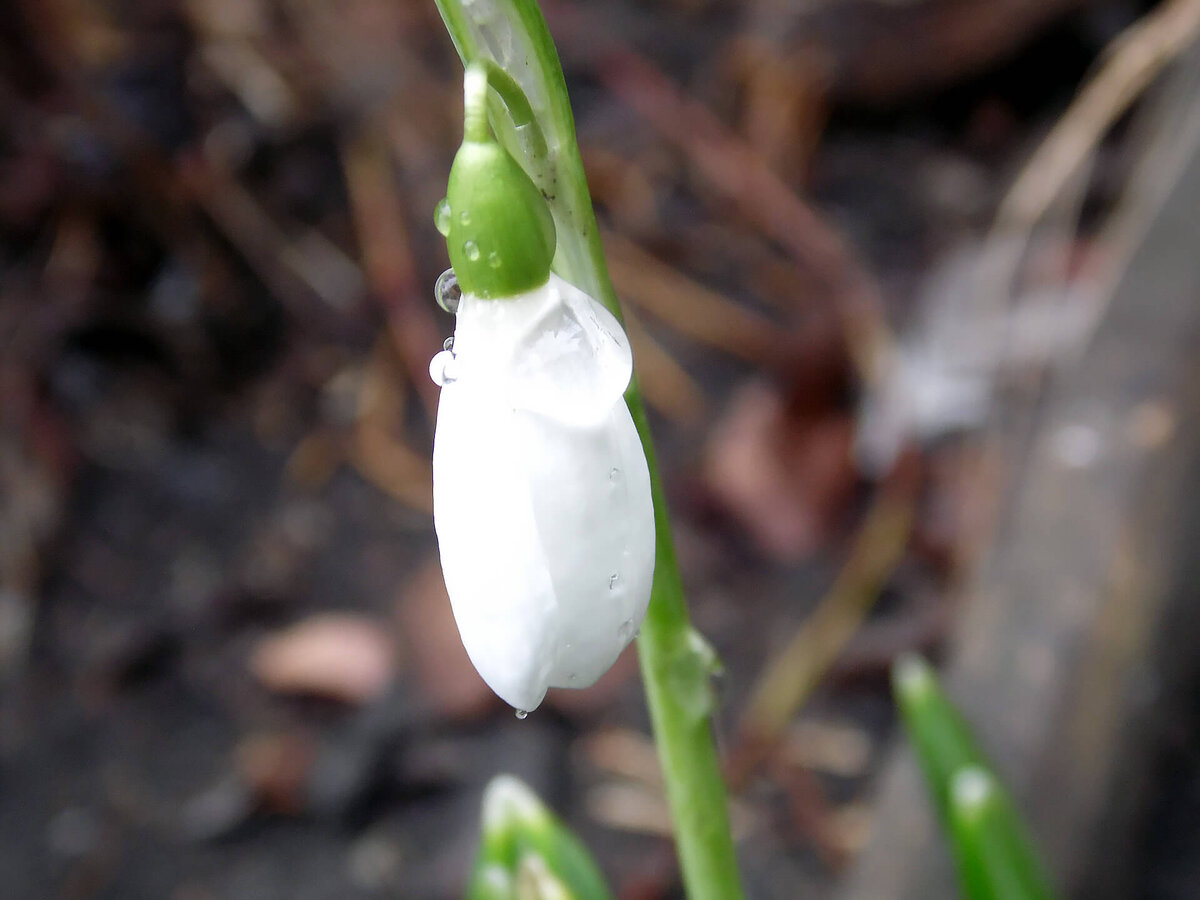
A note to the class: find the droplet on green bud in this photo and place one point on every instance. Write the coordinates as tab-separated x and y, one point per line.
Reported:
441	217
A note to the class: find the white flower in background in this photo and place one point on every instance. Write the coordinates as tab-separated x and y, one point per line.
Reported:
541	490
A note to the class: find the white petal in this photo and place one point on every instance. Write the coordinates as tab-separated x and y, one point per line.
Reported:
541	493
554	350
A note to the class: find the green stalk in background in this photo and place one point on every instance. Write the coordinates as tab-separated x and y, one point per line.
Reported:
996	861
531	115
992	850
940	737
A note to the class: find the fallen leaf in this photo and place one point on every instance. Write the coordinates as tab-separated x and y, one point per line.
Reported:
342	656
784	477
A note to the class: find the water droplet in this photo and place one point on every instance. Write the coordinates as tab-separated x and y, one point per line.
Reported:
472	250
521	713
625	632
443	369
571	676
614	475
447	292
448	344
465	217
612	581
441	217
494	259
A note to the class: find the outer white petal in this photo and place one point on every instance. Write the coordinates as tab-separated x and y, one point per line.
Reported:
541	492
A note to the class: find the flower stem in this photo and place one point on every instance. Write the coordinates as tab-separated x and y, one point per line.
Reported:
475	99
677	664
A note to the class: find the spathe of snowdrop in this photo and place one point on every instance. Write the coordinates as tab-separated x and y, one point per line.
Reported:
541	490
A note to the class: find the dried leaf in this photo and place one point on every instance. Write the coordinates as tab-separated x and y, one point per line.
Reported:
343	656
784	478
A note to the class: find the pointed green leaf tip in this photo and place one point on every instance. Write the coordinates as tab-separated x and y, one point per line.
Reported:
940	736
995	859
526	853
500	233
993	855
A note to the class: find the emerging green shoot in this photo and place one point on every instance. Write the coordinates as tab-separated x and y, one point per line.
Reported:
992	852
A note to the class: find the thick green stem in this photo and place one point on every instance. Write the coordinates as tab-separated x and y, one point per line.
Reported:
677	664
677	668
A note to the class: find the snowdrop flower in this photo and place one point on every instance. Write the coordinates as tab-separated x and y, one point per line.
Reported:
541	489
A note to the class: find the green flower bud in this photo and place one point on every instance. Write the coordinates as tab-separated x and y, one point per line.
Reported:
526	849
499	230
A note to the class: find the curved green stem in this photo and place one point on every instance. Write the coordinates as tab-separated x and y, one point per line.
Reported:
677	664
520	113
514	98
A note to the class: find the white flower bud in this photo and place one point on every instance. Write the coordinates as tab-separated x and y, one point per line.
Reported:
541	491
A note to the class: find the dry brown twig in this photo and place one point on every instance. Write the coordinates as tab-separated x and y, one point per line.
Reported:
688	307
387	255
1132	61
1057	170
376	450
310	276
743	178
791	675
667	385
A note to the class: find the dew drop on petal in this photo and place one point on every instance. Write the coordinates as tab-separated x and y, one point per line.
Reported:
443	368
521	713
441	217
613	579
472	250
614	475
447	292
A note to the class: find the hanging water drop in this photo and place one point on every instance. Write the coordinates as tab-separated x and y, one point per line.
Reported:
448	344
443	368
472	250
447	292
441	217
521	713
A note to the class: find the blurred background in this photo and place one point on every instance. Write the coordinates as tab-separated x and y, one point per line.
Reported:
912	287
